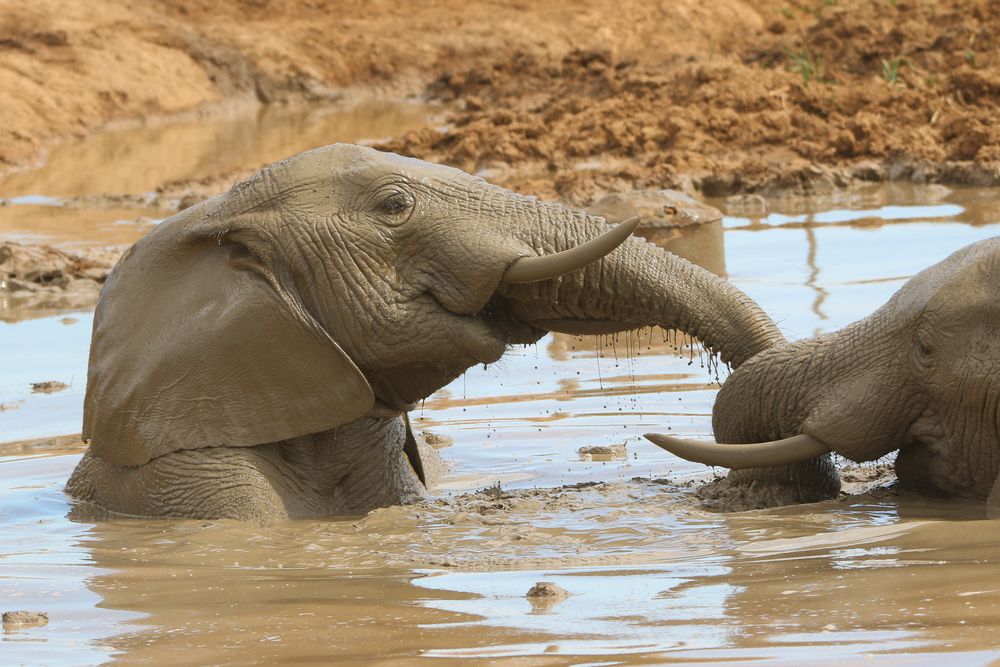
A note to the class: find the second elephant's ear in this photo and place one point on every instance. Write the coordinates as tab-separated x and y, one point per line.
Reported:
200	341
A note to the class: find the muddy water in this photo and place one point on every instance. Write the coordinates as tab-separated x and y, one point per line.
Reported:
654	578
100	191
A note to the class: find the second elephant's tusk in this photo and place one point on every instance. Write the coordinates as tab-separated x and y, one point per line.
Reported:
533	269
798	448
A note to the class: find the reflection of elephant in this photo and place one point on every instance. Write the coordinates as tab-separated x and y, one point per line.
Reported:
255	355
919	375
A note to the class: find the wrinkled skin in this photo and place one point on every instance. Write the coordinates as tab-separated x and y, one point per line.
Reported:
921	375
254	356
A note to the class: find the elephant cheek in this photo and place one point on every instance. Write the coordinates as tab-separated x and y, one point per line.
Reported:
863	420
966	439
408	381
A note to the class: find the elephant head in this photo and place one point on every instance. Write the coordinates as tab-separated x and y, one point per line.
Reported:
919	375
345	282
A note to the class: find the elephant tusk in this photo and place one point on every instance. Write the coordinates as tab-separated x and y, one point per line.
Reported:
533	269
798	448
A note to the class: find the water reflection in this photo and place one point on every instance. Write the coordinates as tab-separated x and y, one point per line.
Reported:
812	280
40	350
138	159
96	191
73	227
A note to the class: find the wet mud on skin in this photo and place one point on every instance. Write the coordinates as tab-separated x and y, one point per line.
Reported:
653	576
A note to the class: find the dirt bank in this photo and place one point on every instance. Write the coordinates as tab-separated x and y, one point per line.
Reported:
66	68
36	281
827	93
735	96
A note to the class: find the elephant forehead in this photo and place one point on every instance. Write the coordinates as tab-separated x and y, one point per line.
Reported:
361	162
311	176
969	279
973	281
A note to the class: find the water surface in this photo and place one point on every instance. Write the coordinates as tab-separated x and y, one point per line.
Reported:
654	578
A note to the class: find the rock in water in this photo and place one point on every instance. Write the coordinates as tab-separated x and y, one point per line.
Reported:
547	590
25	618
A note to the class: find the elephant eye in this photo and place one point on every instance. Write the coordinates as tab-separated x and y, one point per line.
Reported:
924	350
395	202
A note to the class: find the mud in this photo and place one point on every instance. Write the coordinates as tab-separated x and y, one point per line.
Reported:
827	94
725	98
603	452
184	54
683	95
875	480
48	387
37	280
544	594
14	619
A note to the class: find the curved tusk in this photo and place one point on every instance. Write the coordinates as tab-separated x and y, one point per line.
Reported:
533	269
798	448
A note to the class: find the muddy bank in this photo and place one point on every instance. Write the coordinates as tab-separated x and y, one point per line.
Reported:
732	97
36	280
826	94
67	69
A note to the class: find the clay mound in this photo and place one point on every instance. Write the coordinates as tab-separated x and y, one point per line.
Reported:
41	280
871	91
35	268
722	97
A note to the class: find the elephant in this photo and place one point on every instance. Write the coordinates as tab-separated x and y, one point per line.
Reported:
919	377
254	357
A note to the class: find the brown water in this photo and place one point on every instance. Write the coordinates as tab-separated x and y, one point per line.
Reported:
100	191
654	578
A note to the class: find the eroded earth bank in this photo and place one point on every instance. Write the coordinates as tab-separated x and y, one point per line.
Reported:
571	97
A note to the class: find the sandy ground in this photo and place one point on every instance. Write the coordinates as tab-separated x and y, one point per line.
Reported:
561	99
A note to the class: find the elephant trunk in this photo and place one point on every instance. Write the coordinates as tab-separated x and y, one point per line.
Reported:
785	408
844	389
639	284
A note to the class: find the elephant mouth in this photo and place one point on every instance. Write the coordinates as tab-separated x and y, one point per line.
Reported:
498	315
500	321
501	313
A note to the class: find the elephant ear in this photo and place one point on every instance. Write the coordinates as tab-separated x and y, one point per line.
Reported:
200	342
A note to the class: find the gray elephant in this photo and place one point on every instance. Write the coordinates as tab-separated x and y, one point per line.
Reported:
255	356
919	375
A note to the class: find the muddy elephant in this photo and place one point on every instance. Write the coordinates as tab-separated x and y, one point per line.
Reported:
255	356
920	375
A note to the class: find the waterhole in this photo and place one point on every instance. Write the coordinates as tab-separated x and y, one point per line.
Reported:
652	576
